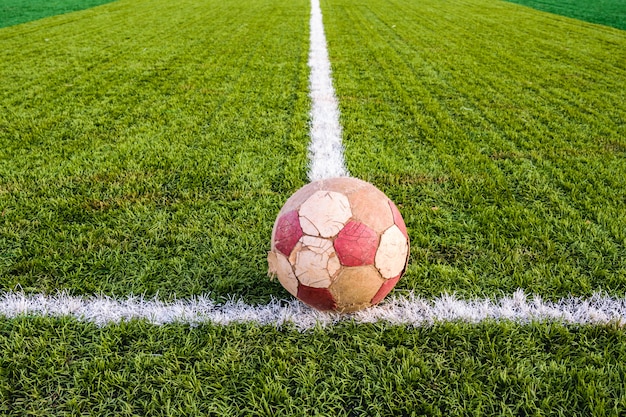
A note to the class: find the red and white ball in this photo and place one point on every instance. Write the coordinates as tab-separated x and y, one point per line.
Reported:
339	244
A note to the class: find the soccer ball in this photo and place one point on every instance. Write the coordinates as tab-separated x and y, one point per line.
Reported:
339	244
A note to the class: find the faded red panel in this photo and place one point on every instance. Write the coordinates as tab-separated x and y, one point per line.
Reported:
385	289
319	298
288	232
356	245
398	220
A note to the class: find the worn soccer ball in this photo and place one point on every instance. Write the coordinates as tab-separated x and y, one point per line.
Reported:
339	244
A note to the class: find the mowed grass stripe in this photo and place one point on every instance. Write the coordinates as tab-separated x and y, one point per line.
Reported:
147	148
13	12
499	131
605	12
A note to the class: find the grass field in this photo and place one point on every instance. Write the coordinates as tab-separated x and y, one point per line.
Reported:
605	12
146	147
142	155
66	368
144	158
504	146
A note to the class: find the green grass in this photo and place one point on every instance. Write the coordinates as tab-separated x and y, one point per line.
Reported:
500	133
60	367
148	147
13	12
605	12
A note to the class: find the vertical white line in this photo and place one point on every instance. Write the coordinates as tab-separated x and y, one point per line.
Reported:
326	158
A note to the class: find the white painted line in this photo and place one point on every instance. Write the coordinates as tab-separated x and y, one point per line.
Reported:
326	158
408	311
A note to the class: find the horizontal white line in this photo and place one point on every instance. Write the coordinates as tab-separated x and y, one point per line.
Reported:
409	311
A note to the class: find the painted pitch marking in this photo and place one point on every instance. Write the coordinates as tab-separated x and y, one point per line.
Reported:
407	311
326	159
